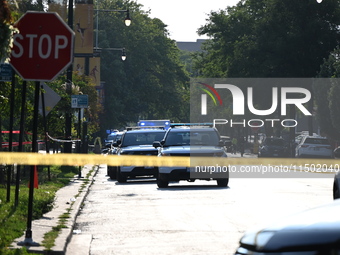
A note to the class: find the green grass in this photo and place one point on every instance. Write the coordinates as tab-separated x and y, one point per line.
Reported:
13	219
50	237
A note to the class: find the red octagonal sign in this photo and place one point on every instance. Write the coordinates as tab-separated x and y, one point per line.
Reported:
43	48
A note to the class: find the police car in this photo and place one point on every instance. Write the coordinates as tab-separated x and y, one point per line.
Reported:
194	140
136	141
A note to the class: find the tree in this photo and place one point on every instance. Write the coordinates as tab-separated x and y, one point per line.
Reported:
327	95
6	30
152	83
270	38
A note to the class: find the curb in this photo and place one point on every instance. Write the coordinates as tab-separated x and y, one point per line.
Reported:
65	236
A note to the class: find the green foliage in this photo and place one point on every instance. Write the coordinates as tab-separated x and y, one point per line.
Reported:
13	219
49	238
81	85
6	33
269	38
152	83
326	93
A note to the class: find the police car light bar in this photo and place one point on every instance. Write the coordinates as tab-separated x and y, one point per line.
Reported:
144	127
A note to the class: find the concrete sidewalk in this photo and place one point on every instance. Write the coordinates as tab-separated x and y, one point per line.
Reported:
68	199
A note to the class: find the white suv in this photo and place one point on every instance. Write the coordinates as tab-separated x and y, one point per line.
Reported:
314	146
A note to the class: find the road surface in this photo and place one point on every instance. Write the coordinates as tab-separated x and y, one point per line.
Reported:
186	218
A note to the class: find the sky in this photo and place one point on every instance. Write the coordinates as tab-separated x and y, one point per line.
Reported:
184	17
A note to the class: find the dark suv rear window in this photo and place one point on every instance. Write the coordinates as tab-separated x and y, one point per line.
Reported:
145	138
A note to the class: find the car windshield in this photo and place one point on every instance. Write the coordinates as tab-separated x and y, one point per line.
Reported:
192	138
142	138
317	141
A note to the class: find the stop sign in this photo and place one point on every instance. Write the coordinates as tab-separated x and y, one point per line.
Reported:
43	48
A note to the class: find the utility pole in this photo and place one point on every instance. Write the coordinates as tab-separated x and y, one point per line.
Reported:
68	117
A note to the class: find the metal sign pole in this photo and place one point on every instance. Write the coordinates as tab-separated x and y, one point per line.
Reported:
21	139
10	140
28	235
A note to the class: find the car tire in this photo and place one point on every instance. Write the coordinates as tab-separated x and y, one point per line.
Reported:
162	181
336	192
222	182
112	172
121	178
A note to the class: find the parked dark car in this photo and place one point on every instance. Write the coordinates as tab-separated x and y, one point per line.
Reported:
311	232
273	147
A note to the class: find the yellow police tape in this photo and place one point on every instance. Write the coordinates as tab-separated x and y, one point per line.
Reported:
29	158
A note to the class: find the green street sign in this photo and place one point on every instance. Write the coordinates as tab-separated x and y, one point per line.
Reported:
79	101
6	72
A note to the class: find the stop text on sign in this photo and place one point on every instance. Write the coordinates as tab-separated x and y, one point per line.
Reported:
44	44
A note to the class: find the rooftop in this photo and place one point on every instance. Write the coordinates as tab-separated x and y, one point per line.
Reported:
191	46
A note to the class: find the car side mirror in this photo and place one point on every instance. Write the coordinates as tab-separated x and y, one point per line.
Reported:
156	144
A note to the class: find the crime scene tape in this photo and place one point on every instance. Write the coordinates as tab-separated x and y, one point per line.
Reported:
30	158
62	140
